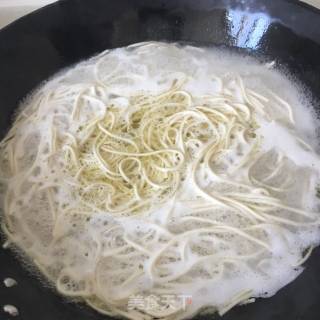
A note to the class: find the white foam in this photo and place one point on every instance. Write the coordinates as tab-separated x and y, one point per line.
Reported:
283	139
9	282
11	310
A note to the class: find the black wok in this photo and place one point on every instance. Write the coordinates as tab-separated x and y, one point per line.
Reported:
42	43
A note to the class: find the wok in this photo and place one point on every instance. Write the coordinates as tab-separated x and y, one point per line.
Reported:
38	45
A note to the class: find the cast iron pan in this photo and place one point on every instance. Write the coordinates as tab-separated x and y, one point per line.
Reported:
42	43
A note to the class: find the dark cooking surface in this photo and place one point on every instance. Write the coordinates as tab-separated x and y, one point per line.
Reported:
38	45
